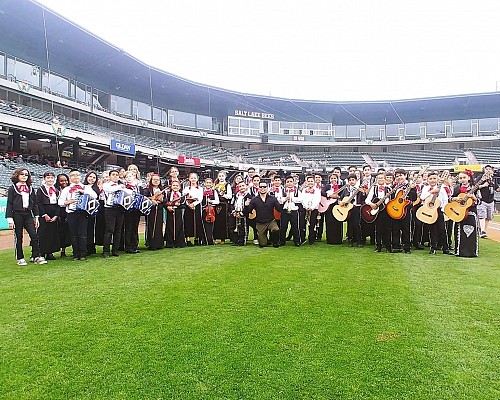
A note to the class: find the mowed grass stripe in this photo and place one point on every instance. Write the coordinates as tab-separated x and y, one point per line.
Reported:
223	322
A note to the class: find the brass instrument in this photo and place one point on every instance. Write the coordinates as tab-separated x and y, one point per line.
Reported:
308	213
238	212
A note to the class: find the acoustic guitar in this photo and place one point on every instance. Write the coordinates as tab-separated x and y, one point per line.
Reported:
341	210
458	209
398	207
428	212
370	214
326	202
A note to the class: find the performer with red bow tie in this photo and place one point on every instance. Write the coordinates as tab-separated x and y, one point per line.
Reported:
210	199
49	210
77	220
383	222
466	234
310	198
22	213
174	227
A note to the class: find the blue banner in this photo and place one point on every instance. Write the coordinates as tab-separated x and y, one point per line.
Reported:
3	221
122	147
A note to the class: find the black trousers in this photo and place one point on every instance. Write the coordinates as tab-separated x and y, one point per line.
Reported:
24	219
313	221
78	222
383	230
291	218
114	223
438	233
132	218
401	232
354	226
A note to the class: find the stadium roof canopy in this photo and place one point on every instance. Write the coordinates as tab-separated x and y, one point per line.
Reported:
78	54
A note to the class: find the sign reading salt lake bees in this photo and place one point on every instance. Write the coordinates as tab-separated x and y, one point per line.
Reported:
122	147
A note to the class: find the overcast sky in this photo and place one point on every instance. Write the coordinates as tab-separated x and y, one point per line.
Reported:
317	50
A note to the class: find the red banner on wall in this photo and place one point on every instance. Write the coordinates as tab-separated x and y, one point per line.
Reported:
185	160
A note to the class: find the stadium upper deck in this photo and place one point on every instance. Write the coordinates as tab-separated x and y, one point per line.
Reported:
44	52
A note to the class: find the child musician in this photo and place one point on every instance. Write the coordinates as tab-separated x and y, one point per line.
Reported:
192	214
223	188
114	214
318	184
238	223
437	230
22	213
290	214
62	181
382	223
91	179
466	235
334	228
77	220
210	199
353	221
401	228
132	215
154	220
174	229
48	232
310	198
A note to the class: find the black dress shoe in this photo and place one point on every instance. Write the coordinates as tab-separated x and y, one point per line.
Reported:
189	244
115	254
419	246
378	250
432	251
50	256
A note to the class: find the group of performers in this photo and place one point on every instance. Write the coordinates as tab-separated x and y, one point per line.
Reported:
394	209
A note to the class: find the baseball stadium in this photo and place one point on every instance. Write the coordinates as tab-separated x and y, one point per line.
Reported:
224	302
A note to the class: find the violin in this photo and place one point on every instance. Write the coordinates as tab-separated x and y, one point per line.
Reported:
210	213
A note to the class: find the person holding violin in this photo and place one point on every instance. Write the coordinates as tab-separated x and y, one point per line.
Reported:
210	199
193	226
174	227
154	220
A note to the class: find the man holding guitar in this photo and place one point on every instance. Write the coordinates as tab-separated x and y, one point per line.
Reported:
401	228
435	199
382	223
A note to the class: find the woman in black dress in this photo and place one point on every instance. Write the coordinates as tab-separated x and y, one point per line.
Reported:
155	218
49	211
62	181
466	236
91	179
225	193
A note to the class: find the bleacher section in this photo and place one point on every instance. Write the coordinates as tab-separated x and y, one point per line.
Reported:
317	159
445	157
487	155
7	167
309	159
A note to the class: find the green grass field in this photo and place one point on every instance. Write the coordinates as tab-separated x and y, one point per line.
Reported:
316	322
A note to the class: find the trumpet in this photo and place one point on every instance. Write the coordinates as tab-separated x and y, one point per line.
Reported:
237	213
308	213
288	203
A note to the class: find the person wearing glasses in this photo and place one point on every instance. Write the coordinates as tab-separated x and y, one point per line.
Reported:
263	204
22	213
